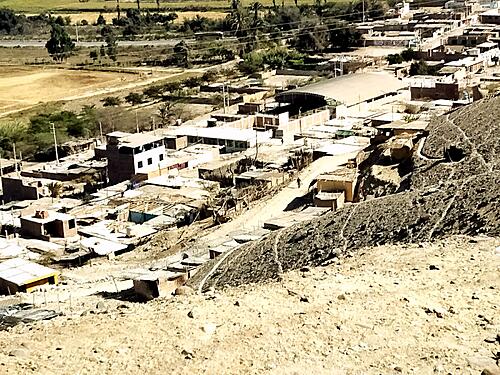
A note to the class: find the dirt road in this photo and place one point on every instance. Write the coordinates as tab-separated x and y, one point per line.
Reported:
255	217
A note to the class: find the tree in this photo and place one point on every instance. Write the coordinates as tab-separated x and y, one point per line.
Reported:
256	24
343	36
192	82
421	68
60	21
235	4
60	45
101	21
153	92
395	58
118	10
255	8
158	5
495	59
55	189
134	98
181	54
163	114
173	86
10	23
109	36
312	37
111	101
94	55
252	63
166	113
408	54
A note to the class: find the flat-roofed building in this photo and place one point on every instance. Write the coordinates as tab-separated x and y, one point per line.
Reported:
340	180
491	16
132	154
19	275
231	139
47	224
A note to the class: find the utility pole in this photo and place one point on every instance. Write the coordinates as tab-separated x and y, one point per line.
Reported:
55	142
300	124
136	122
100	131
256	146
15	158
77	31
224	97
363	1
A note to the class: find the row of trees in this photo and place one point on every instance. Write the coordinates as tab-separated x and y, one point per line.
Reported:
37	136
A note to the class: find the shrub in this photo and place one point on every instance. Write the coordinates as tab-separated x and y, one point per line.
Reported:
111	101
134	98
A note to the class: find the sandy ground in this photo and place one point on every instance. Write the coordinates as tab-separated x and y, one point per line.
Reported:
424	309
23	87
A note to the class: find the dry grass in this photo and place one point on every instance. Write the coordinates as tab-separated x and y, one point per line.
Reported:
91	17
36	6
23	87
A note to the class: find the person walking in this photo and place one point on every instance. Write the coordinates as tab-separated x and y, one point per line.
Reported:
298	182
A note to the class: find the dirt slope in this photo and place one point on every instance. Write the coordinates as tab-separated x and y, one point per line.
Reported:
392	309
444	197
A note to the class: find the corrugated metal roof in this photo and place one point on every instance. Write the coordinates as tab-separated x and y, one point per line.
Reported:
349	89
21	272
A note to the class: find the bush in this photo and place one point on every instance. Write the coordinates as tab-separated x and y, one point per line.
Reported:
153	92
421	68
192	82
172	86
134	98
111	101
408	54
394	59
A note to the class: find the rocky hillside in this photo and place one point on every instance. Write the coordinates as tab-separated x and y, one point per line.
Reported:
430	309
451	189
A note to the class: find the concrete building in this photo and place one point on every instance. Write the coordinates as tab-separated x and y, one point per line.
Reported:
233	140
341	180
433	87
491	16
132	154
471	64
48	224
19	275
20	188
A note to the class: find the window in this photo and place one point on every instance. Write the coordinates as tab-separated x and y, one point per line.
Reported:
161	157
150	161
71	224
139	165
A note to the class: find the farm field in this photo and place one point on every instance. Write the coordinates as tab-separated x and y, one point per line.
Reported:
37	6
91	17
23	87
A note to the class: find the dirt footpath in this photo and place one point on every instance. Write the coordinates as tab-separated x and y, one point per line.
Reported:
428	309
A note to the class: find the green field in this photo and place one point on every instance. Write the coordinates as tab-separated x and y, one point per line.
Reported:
37	6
